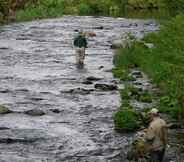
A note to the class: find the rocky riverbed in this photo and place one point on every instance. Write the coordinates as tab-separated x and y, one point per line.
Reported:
58	112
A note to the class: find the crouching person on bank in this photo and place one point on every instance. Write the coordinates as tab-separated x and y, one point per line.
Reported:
156	137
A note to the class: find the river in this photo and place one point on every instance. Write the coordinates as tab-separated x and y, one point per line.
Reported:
37	71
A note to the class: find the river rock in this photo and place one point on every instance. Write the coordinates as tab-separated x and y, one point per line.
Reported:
149	45
106	87
4	48
174	125
120	44
16	140
35	112
36	98
11	136
100	67
4	128
92	78
87	82
81	91
98	27
55	111
4	110
137	74
137	83
4	91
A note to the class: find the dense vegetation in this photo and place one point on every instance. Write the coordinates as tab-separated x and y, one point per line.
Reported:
32	9
163	63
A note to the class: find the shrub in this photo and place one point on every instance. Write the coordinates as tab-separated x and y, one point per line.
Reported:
84	9
163	63
126	119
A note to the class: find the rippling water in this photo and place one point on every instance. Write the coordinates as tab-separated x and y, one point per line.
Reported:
37	71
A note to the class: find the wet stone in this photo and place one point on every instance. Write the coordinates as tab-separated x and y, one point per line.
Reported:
87	82
4	128
4	110
137	74
100	67
4	48
81	91
137	83
35	112
92	78
57	111
98	27
36	99
25	136
16	140
5	91
106	87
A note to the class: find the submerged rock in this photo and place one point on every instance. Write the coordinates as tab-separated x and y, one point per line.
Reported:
35	112
92	78
87	82
98	27
5	91
4	110
81	91
55	111
106	87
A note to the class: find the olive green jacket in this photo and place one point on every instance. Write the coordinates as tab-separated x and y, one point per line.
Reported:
80	41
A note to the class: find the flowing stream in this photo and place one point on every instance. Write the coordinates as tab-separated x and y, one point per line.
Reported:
37	71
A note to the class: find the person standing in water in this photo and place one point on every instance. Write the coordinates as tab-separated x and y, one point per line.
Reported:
80	43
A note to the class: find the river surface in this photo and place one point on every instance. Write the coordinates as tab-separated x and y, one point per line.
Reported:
38	71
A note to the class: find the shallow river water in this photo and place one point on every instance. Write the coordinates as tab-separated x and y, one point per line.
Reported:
37	71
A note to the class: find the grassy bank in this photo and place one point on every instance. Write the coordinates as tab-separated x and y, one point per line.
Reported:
36	9
163	63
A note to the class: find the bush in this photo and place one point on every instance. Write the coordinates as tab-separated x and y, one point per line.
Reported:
163	63
84	9
126	120
45	8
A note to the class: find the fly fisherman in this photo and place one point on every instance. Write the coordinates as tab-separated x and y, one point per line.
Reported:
80	43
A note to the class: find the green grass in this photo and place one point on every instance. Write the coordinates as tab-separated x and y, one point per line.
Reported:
126	8
45	8
164	63
126	120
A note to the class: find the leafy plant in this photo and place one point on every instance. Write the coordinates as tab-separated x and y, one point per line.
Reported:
126	119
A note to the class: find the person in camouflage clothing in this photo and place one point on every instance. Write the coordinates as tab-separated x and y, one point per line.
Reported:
80	43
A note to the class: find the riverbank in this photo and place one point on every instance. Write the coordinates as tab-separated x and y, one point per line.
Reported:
161	56
162	61
37	9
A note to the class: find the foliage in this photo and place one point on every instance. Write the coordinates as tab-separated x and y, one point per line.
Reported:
145	97
122	74
164	63
32	9
84	9
175	6
126	119
45	8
